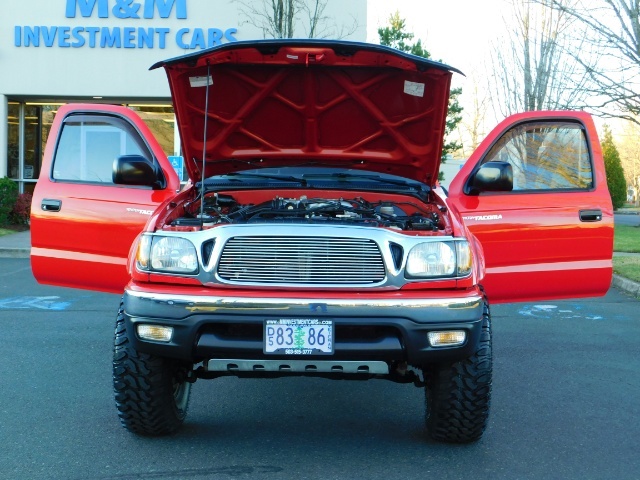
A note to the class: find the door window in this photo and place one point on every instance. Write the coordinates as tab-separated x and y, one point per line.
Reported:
161	121
545	156
89	144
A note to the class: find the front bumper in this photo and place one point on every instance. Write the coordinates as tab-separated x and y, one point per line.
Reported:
390	326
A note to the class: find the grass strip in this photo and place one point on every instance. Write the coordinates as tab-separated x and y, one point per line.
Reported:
626	239
628	267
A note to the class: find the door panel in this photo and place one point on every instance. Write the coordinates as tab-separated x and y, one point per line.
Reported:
550	237
82	224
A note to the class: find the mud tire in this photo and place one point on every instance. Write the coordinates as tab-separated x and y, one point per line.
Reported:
458	395
151	393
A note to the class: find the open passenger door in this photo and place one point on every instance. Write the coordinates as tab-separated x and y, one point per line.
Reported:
82	222
550	236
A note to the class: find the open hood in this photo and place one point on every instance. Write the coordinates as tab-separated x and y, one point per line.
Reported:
275	103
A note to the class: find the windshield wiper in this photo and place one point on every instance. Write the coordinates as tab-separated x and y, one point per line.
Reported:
376	178
238	176
280	178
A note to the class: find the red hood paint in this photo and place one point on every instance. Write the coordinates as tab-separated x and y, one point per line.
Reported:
301	102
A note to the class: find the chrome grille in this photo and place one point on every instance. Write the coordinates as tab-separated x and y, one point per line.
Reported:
301	260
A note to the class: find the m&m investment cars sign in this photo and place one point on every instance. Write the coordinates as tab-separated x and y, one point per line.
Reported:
125	36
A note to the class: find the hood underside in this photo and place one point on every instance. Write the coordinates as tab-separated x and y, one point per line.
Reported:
310	102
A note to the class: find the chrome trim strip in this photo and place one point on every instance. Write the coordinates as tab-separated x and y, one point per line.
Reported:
152	305
298	366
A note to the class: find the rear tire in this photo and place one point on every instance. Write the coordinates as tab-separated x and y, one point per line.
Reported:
151	393
458	395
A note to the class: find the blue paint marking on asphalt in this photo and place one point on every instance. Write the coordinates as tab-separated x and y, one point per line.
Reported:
41	303
549	312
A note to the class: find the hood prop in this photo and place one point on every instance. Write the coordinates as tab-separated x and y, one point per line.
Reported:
204	144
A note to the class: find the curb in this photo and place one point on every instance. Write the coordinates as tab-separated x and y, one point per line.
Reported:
629	286
15	252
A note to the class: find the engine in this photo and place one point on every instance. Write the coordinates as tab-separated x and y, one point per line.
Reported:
224	209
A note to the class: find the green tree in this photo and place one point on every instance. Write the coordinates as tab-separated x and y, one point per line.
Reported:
613	166
395	35
8	197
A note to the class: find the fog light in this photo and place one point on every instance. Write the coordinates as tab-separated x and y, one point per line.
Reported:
447	339
157	333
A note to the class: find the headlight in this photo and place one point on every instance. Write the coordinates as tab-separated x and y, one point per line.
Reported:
166	254
439	259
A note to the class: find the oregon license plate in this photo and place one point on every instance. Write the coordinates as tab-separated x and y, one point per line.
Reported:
298	336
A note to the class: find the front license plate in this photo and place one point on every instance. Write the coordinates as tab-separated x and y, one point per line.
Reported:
298	336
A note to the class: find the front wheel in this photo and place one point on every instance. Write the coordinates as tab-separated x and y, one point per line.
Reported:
151	393
458	395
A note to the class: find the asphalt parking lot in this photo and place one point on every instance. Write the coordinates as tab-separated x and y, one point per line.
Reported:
565	403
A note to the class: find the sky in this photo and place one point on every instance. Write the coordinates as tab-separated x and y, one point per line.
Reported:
460	33
457	32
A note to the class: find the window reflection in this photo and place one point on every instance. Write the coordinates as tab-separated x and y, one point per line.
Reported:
89	145
545	156
159	119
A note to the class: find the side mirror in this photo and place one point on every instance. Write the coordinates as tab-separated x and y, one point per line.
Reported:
492	177
137	170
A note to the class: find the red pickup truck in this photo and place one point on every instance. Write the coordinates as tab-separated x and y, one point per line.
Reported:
313	237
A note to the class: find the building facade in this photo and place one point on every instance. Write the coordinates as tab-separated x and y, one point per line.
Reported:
54	52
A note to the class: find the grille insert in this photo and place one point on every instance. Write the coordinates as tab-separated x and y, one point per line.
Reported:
301	260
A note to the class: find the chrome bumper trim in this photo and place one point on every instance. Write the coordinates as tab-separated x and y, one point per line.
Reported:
420	310
196	303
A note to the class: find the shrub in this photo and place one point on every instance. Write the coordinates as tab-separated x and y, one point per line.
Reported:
615	174
8	197
21	212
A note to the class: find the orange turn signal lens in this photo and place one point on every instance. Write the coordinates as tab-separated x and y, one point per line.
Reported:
158	333
451	338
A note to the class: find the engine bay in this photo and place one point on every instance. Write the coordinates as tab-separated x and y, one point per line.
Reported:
219	209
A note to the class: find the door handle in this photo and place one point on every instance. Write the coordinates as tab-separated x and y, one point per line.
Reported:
49	205
590	215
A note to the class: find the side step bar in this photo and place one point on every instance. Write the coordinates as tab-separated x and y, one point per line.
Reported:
297	366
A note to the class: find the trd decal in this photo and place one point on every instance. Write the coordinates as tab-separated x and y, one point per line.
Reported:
140	211
483	218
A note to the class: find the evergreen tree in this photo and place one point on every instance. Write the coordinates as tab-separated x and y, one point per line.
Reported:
613	166
395	35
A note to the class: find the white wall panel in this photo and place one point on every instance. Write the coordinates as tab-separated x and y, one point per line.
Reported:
67	70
